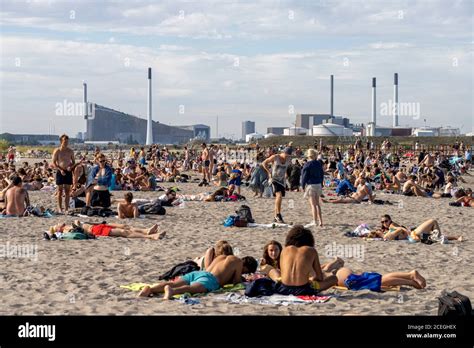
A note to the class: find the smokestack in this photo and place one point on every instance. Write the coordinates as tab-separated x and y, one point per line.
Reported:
374	111
395	100
84	87
332	95
149	125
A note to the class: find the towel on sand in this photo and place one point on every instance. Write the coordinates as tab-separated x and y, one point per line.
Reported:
383	288
225	288
283	300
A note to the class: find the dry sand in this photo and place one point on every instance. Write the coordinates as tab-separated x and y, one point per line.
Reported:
83	277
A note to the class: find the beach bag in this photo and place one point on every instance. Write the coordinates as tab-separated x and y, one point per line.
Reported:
245	213
152	208
240	222
268	191
229	221
454	304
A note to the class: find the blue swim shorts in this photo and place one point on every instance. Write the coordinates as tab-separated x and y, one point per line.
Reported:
205	278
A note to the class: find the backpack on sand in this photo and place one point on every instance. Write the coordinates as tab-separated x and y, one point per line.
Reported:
454	304
152	208
244	213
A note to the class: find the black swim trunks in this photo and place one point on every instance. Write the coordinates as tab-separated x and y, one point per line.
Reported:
302	290
207	163
277	187
64	179
408	193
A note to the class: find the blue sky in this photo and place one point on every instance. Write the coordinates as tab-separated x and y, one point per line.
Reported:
241	60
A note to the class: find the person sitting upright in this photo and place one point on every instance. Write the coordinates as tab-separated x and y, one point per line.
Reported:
301	272
127	209
16	198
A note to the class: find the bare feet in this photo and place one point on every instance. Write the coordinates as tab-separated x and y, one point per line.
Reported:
418	279
162	235
146	291
334	265
153	229
460	239
168	293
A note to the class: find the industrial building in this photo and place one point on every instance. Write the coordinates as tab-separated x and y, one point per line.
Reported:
248	127
111	125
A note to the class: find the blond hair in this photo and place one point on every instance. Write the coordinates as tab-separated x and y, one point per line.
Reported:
311	153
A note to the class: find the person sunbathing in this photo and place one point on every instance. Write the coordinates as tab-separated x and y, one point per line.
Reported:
225	269
16	198
301	272
363	192
375	281
111	230
222	247
127	209
410	188
464	197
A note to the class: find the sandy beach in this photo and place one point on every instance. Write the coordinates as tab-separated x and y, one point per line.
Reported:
84	277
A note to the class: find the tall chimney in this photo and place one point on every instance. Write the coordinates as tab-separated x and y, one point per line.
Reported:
395	100
374	110
332	95
84	87
149	125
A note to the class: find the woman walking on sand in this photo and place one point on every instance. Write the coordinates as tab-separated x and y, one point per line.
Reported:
312	177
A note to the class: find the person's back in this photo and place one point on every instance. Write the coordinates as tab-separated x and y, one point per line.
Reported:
297	265
16	199
226	268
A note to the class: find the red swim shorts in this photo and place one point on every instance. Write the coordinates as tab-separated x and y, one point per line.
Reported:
101	230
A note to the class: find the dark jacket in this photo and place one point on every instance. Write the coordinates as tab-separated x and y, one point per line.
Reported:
312	173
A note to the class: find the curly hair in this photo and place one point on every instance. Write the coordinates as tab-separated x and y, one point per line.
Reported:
299	236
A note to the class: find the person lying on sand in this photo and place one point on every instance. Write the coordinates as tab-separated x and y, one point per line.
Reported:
222	247
392	231
111	230
225	269
374	281
363	192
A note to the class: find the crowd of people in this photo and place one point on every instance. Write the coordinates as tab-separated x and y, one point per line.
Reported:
353	176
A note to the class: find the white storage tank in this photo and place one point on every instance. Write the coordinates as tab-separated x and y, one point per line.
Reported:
270	135
329	130
253	136
295	131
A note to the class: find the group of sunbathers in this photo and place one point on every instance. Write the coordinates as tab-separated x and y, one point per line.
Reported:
295	269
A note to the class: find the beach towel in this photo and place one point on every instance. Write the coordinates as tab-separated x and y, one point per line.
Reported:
281	300
224	289
383	288
272	225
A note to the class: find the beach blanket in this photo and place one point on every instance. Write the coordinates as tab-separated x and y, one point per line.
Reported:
225	288
281	300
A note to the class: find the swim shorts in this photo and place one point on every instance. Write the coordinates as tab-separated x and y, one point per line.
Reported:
207	163
100	199
237	181
206	279
277	187
64	179
370	281
302	290
101	230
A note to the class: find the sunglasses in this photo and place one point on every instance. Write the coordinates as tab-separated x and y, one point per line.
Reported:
384	221
103	161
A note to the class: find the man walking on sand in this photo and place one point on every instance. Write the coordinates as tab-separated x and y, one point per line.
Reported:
277	177
63	161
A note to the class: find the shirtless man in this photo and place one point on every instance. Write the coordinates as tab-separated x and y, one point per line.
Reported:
224	269
428	161
63	161
206	163
301	272
127	209
112	230
410	188
16	198
357	197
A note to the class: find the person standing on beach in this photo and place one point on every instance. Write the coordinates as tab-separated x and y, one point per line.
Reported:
63	161
277	177
206	178
312	177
